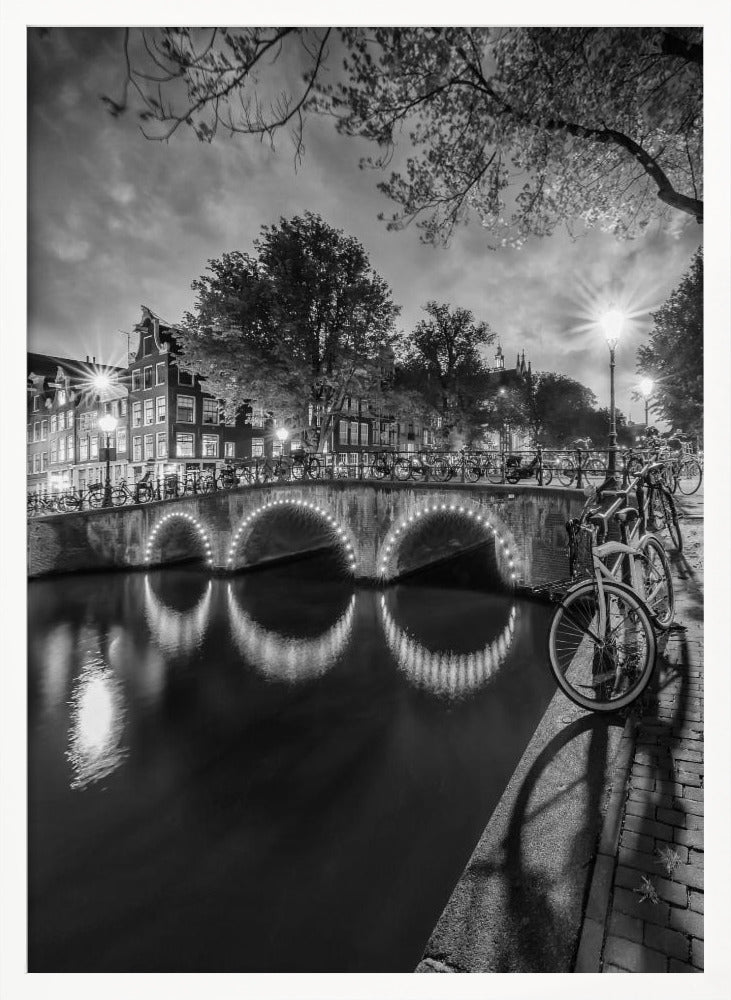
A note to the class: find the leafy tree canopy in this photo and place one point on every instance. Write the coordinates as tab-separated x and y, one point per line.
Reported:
526	127
298	326
673	357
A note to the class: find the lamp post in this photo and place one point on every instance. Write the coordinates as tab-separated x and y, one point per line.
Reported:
612	324
282	434
646	387
108	424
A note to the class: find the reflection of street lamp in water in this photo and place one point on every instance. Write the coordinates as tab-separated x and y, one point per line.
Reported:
611	322
108	424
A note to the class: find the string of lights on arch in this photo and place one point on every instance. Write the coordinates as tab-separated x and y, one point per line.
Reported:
301	504
412	519
193	521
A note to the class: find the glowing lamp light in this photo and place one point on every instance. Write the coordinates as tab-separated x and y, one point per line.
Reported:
611	323
101	382
282	433
108	423
646	387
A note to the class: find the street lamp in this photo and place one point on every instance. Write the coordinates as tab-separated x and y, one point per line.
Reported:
611	322
646	387
108	424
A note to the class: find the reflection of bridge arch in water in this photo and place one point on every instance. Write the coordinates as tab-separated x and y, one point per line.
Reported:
177	631
446	673
244	529
286	658
474	515
165	522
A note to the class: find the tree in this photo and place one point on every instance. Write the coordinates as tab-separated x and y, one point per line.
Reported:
297	327
528	127
443	364
673	358
555	408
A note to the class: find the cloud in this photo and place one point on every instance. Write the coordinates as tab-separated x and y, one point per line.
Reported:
123	193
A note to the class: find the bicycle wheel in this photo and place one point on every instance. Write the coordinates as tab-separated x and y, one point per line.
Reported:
70	502
144	493
512	475
690	477
402	469
602	673
494	471
119	497
95	497
546	475
566	472
595	470
439	471
665	515
472	470
657	580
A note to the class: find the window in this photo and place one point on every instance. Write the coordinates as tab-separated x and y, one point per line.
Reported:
160	373
276	447
210	446
62	397
149	445
62	449
62	420
121	439
184	445
160	400
44	461
44	430
84	449
149	412
257	416
343	432
136	379
353	458
162	445
184	378
147	344
54	423
364	433
37	431
70	447
257	447
30	433
186	410
136	449
137	414
30	465
93	447
353	432
54	451
229	449
36	404
148	377
70	419
123	407
210	411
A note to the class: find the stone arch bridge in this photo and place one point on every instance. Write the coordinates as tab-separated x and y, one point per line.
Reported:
382	530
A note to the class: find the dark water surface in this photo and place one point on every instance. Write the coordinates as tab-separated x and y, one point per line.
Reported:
279	773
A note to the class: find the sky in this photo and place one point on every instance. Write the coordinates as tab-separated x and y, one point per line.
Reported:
117	221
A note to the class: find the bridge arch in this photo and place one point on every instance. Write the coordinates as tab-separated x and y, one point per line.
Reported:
177	631
474	514
341	536
181	516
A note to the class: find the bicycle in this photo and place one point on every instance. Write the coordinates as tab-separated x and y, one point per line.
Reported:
418	466
305	467
656	504
92	497
381	465
602	646
143	492
515	470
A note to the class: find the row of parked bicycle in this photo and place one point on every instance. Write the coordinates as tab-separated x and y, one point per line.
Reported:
578	468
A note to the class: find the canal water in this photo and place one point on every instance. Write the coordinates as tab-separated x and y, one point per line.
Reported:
275	773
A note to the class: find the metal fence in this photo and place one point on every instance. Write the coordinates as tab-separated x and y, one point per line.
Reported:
573	468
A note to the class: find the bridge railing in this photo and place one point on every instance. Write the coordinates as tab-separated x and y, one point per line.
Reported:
574	467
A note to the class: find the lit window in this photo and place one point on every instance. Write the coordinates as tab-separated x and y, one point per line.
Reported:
257	416
70	447
276	447
137	414
184	445
364	433
257	447
62	449
70	419
343	432
229	449
62	397
148	378
93	447
186	410
160	400
62	420
160	373
149	445
353	432
44	430
162	445
44	461
149	411
84	449
121	439
123	407
210	446
210	411
137	449
136	379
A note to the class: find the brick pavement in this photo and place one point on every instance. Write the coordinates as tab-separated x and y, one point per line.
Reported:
645	906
